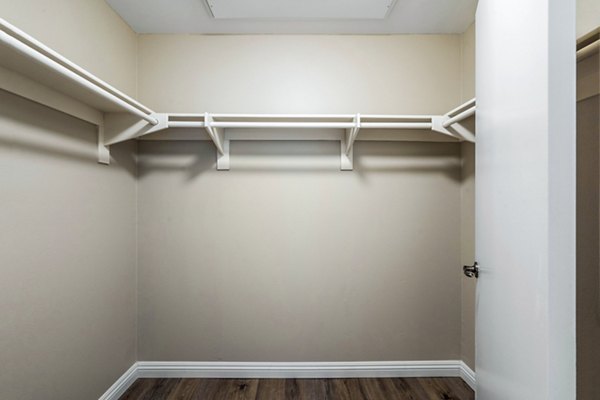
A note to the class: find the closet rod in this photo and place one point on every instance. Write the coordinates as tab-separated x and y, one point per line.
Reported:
588	44
32	49
464	106
186	124
325	125
396	125
459	117
248	124
588	50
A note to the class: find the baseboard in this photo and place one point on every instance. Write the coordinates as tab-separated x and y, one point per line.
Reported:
358	369
122	384
467	375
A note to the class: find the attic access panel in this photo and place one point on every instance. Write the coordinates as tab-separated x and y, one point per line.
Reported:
300	9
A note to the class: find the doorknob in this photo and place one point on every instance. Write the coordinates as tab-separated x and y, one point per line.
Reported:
471	270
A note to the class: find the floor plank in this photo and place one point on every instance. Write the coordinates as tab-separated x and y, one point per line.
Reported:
271	389
300	389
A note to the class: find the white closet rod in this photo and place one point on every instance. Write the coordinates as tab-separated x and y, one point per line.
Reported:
396	125
308	125
469	104
186	124
459	117
250	124
588	50
33	49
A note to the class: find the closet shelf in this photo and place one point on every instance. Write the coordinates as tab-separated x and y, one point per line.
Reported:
32	70
26	56
345	128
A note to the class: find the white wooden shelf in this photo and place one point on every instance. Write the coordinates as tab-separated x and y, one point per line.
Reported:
32	70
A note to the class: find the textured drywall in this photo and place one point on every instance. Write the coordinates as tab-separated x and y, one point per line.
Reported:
395	74
286	258
68	241
588	261
588	16
67	256
87	32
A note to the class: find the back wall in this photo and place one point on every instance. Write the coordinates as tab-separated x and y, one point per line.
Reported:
286	258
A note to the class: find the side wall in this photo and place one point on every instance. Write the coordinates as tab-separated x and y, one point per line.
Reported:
588	197
68	258
588	16
88	32
68	238
588	233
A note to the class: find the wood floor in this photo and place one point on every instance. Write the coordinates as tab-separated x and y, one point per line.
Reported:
300	389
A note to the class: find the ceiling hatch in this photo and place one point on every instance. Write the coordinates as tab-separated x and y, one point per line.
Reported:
300	9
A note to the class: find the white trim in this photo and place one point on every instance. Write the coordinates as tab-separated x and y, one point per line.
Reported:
122	384
360	369
351	369
468	375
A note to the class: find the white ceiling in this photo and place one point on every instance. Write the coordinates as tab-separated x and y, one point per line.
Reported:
194	16
305	9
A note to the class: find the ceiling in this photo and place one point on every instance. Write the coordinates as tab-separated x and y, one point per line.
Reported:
195	16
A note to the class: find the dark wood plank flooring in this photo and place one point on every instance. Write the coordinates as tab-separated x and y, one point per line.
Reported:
300	389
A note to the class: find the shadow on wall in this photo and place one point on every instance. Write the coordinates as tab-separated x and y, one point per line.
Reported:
195	158
29	127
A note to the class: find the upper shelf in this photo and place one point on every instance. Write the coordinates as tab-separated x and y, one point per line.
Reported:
32	70
32	59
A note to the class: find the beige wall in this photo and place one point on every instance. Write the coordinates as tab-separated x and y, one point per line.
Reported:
283	258
286	258
88	32
67	257
588	184
68	241
395	74
588	16
588	261
467	226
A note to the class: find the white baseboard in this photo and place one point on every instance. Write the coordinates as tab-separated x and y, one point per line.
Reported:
468	375
355	369
122	384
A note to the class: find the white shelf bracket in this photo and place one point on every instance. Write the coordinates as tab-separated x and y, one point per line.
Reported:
347	145
121	127
220	140
103	151
455	131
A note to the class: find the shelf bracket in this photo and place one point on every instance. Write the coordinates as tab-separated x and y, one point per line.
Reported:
347	145
220	140
120	127
103	151
456	131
